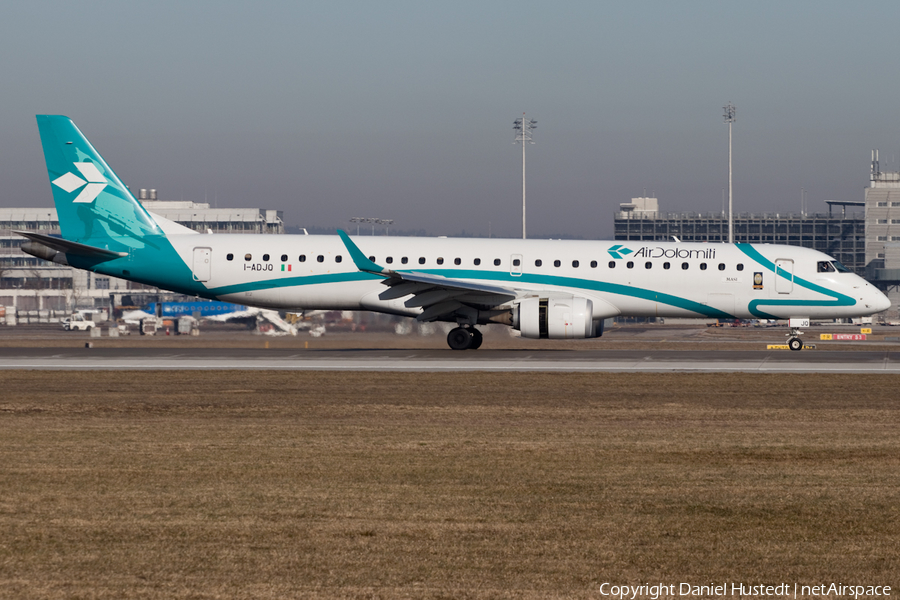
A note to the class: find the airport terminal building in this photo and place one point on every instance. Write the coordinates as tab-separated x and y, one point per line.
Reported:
33	285
842	236
864	235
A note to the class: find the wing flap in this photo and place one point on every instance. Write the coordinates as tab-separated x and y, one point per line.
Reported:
438	296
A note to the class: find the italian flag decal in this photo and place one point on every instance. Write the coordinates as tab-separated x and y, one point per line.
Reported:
288	267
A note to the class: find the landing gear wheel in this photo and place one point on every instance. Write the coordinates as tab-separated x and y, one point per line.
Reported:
477	338
459	338
795	344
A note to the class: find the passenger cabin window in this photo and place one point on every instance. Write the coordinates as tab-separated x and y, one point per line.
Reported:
721	266
321	258
477	261
284	258
421	260
575	263
404	260
612	264
389	259
302	258
229	256
684	266
265	258
538	262
440	260
740	267
629	264
666	265
825	267
372	258
702	266
593	264
248	257
556	263
648	265
516	262
338	258
496	262
457	261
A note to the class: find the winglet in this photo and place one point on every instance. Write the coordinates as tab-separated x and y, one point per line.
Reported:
359	259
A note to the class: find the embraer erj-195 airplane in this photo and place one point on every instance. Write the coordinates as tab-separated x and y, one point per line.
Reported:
544	288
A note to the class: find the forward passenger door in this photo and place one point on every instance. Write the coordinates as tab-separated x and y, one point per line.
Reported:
784	275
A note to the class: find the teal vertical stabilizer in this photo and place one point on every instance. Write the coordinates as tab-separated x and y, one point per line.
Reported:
107	229
93	205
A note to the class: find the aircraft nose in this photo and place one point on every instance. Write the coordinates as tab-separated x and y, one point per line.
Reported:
874	299
880	302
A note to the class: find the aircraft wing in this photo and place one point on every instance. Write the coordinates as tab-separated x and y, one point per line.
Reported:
438	296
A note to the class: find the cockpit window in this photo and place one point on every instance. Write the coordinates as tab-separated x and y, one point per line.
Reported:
825	267
841	268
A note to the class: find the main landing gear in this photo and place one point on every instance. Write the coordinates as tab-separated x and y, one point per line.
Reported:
464	338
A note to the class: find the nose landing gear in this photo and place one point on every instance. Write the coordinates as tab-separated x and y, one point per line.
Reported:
464	338
794	342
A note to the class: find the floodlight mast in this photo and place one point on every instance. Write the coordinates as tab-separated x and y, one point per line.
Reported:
386	222
730	111
524	127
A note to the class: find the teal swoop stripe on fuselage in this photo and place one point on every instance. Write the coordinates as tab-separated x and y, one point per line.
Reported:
838	299
496	276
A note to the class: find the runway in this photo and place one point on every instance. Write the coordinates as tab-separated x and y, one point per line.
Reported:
754	361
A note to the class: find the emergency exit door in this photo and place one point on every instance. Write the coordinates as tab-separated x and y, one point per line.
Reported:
515	265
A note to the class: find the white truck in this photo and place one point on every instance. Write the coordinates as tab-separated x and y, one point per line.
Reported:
79	322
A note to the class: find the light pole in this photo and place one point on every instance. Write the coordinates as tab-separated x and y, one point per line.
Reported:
524	127
386	222
729	118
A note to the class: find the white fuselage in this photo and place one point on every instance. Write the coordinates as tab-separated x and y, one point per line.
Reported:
654	279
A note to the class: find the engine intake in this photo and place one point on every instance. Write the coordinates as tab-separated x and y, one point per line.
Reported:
568	317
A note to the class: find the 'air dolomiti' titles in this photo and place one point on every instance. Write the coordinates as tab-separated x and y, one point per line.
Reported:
660	252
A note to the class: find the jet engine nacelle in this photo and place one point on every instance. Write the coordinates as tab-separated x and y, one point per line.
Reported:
564	317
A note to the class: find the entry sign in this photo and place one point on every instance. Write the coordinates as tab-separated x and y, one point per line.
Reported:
853	337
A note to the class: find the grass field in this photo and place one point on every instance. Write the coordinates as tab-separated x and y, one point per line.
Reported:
488	485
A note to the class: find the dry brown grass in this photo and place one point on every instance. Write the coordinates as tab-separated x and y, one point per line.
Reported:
314	485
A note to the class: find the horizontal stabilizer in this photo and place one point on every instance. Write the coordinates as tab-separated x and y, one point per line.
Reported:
67	247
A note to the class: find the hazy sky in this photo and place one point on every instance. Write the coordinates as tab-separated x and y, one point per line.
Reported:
404	110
